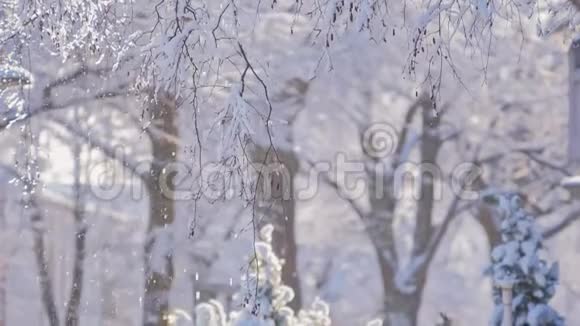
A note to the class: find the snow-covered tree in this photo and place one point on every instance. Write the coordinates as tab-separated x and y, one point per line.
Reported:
196	49
263	298
518	263
191	48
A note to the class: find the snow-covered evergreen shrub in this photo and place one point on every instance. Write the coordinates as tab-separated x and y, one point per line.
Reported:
263	298
517	262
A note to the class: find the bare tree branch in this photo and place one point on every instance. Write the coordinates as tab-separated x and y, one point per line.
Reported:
531	155
9	117
356	207
108	151
72	311
563	224
430	145
404	134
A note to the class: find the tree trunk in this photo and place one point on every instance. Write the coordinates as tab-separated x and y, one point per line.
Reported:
486	219
404	312
284	244
158	264
72	312
72	309
403	301
279	206
46	286
402	309
201	294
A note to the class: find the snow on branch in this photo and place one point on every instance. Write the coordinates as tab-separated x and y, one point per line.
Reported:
14	76
264	298
188	48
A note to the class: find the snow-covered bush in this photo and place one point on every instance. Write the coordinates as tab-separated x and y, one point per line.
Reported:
517	262
263	298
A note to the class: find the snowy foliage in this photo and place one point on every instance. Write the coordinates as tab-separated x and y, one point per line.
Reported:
65	28
517	263
201	51
11	102
195	48
263	297
14	76
235	128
